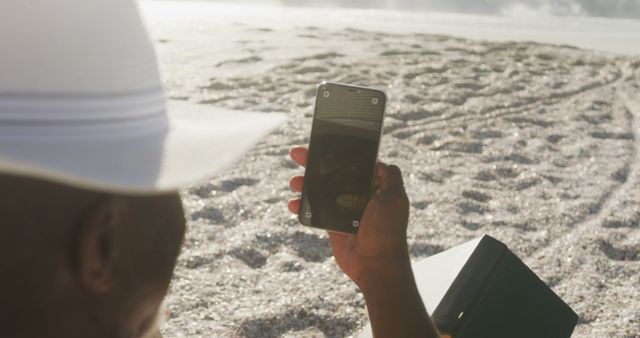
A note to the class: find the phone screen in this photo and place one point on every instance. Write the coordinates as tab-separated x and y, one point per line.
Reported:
343	151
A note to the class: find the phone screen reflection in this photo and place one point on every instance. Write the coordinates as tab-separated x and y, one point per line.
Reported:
342	157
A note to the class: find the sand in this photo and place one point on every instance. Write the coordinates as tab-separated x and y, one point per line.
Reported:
535	144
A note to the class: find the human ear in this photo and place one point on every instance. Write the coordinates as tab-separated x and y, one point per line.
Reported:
97	246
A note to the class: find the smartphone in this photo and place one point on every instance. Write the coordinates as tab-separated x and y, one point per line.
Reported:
343	151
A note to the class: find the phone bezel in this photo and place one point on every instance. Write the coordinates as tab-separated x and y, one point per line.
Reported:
323	85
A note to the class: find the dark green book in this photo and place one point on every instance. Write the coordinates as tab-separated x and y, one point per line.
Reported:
481	289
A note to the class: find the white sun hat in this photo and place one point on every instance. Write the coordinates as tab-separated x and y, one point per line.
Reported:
82	103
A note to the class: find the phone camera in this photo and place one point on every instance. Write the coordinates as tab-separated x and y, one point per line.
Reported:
374	100
326	93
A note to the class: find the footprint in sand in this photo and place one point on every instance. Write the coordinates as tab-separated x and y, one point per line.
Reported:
496	173
252	257
290	266
507	172
630	220
395	52
475	86
424	249
196	261
621	175
468	207
421	205
235	183
216	85
525	121
310	247
463	147
412	98
487	134
519	226
520	159
437	176
605	135
324	56
527	182
596	119
620	253
555	138
403	134
308	36
300	323
427	139
307	70
262	29
473	226
211	214
250	59
476	196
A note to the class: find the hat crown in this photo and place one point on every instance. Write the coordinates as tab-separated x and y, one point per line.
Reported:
81	103
61	57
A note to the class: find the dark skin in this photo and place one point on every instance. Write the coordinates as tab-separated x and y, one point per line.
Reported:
377	258
82	263
79	263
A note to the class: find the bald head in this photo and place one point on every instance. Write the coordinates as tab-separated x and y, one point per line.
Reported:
84	263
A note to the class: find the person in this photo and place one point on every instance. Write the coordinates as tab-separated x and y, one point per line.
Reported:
377	258
91	161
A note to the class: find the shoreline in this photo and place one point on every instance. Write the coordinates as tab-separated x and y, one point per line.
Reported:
614	36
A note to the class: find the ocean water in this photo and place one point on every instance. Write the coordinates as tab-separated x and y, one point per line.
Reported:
612	35
592	8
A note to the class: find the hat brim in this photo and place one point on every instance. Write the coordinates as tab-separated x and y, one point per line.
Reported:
199	143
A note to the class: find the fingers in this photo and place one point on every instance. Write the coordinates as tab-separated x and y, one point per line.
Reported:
295	183
390	179
294	205
299	155
380	167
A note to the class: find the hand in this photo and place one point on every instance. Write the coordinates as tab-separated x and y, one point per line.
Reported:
377	258
380	247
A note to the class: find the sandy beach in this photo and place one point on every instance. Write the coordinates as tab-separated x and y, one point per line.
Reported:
533	143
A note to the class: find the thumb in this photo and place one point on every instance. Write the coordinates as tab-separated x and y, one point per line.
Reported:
390	180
